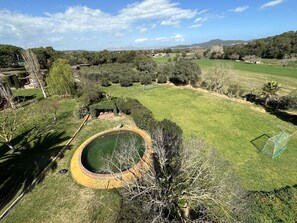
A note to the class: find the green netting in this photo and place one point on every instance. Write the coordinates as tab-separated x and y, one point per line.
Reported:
276	145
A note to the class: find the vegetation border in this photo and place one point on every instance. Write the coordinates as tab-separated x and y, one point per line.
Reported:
116	180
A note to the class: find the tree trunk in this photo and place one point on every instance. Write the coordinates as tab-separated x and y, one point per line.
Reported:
11	146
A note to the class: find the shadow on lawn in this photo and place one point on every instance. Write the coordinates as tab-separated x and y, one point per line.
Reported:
19	169
283	115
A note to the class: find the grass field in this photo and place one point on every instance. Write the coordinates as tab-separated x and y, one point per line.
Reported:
60	199
228	126
252	76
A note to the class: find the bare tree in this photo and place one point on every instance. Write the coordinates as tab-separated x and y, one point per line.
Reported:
184	184
217	77
33	68
6	92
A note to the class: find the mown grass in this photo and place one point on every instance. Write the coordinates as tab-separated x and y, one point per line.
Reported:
60	199
226	125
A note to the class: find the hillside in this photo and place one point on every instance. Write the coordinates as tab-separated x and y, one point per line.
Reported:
214	42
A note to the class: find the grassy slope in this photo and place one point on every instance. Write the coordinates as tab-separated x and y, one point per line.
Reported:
60	199
228	126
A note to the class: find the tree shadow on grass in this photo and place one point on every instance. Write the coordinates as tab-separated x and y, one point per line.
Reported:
283	115
19	169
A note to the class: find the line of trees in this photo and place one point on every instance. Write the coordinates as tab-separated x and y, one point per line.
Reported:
278	47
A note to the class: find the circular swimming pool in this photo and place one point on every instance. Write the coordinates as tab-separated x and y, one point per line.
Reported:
89	160
104	149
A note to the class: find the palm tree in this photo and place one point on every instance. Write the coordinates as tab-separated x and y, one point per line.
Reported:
270	89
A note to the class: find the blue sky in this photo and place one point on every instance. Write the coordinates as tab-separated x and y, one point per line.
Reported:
97	25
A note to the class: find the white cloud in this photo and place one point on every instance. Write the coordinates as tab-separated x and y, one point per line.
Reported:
175	38
170	23
141	40
55	39
196	25
239	9
82	19
156	9
142	29
271	4
172	38
200	19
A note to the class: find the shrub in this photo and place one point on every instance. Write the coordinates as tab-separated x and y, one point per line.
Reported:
125	81
105	82
114	78
145	79
135	77
126	105
235	90
162	79
81	112
143	118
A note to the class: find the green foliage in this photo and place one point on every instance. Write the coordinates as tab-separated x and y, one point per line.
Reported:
141	115
275	206
272	47
88	92
146	64
172	136
80	112
126	105
162	79
45	56
143	118
184	72
9	56
105	82
114	78
135	77
125	81
235	90
60	80
271	88
145	79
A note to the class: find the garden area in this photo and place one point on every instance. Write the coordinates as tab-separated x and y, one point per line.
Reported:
196	99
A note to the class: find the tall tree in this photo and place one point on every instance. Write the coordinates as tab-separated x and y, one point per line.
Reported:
186	183
33	68
185	72
60	80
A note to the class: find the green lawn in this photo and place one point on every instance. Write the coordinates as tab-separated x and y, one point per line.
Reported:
60	199
256	68
226	125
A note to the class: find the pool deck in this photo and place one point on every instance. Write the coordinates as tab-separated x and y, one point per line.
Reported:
116	180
